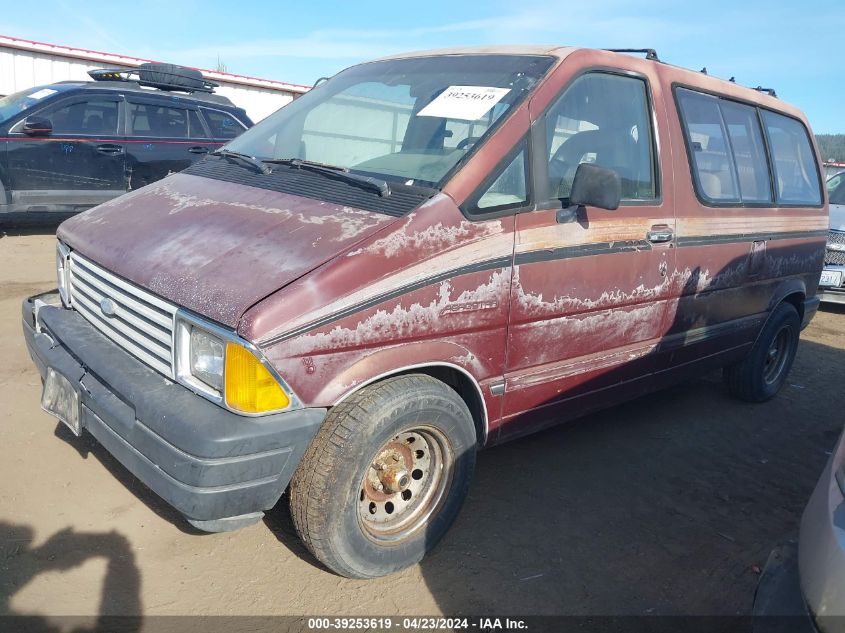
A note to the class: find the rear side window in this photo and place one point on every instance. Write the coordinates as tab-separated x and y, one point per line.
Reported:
710	154
796	173
146	119
727	152
222	125
749	150
195	126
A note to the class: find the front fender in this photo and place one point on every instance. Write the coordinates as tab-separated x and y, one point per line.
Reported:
394	360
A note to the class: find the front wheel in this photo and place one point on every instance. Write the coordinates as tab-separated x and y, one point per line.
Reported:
761	374
385	476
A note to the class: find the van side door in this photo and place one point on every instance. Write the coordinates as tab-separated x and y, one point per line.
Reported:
78	164
163	136
742	233
589	297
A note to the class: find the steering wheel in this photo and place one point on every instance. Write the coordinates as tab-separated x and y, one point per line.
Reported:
467	142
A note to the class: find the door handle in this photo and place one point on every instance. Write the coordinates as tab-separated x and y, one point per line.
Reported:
198	149
109	148
660	234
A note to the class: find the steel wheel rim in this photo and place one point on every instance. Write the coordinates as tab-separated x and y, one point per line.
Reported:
399	509
776	356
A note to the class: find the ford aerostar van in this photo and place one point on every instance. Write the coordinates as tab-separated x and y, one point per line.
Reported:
425	255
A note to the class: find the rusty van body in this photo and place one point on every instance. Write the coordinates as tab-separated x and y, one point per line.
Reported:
350	311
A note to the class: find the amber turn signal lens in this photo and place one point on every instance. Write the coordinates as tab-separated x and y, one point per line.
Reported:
249	386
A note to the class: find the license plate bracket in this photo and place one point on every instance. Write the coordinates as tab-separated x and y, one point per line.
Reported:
61	400
831	278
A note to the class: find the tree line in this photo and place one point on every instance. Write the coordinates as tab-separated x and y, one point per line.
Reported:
832	147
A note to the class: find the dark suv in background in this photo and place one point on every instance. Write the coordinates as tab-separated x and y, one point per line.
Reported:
72	145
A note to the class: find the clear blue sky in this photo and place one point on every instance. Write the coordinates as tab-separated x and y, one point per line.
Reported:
784	44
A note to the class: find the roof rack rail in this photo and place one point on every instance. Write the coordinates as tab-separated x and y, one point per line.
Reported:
769	91
162	76
649	53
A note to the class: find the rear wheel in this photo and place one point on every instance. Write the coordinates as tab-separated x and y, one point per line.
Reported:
385	476
761	374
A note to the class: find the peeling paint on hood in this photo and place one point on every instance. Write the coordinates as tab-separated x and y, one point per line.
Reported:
215	247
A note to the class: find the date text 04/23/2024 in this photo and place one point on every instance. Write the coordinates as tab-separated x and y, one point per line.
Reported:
418	624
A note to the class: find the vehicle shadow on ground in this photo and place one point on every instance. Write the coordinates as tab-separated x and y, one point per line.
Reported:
668	505
22	562
87	445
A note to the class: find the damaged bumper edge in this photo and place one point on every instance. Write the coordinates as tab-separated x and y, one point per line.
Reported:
219	469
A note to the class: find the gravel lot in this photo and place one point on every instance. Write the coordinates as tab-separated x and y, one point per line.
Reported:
668	505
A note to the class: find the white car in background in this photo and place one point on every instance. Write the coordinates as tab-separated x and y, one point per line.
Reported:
832	283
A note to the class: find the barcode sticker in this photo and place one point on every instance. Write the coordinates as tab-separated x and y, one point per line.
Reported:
467	103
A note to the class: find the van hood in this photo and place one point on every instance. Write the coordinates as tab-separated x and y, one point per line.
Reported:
837	217
215	247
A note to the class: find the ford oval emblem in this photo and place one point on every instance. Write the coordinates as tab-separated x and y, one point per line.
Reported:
107	307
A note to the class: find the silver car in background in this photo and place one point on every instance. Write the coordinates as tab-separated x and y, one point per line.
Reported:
832	282
821	546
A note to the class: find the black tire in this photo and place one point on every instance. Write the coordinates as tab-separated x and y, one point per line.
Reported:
338	512
761	374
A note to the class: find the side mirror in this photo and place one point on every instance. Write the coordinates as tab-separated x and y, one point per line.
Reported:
592	186
596	186
37	126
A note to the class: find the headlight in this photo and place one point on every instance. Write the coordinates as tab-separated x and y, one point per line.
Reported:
207	358
62	273
226	369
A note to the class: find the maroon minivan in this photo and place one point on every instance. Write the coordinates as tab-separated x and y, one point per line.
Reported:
425	255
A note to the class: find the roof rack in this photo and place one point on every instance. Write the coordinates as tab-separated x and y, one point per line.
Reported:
649	53
162	76
769	91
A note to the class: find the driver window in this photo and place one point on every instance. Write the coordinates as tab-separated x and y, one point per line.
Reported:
93	117
602	119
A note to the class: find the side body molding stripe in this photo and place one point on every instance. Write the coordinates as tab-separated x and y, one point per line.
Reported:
530	257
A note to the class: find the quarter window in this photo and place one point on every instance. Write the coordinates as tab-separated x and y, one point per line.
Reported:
796	174
223	125
602	119
508	190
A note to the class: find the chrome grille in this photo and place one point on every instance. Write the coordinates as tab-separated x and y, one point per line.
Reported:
831	256
141	323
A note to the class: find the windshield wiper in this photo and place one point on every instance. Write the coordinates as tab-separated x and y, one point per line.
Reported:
381	187
244	159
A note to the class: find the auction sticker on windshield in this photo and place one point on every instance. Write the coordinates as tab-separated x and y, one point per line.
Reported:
44	92
464	102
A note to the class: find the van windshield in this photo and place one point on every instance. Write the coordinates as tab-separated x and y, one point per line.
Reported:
407	120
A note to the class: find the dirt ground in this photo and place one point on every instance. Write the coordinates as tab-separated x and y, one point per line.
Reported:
667	505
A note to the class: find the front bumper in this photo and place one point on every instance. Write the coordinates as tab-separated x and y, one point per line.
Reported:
219	469
831	294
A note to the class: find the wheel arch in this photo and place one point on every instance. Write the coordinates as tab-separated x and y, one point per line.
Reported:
792	291
452	375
